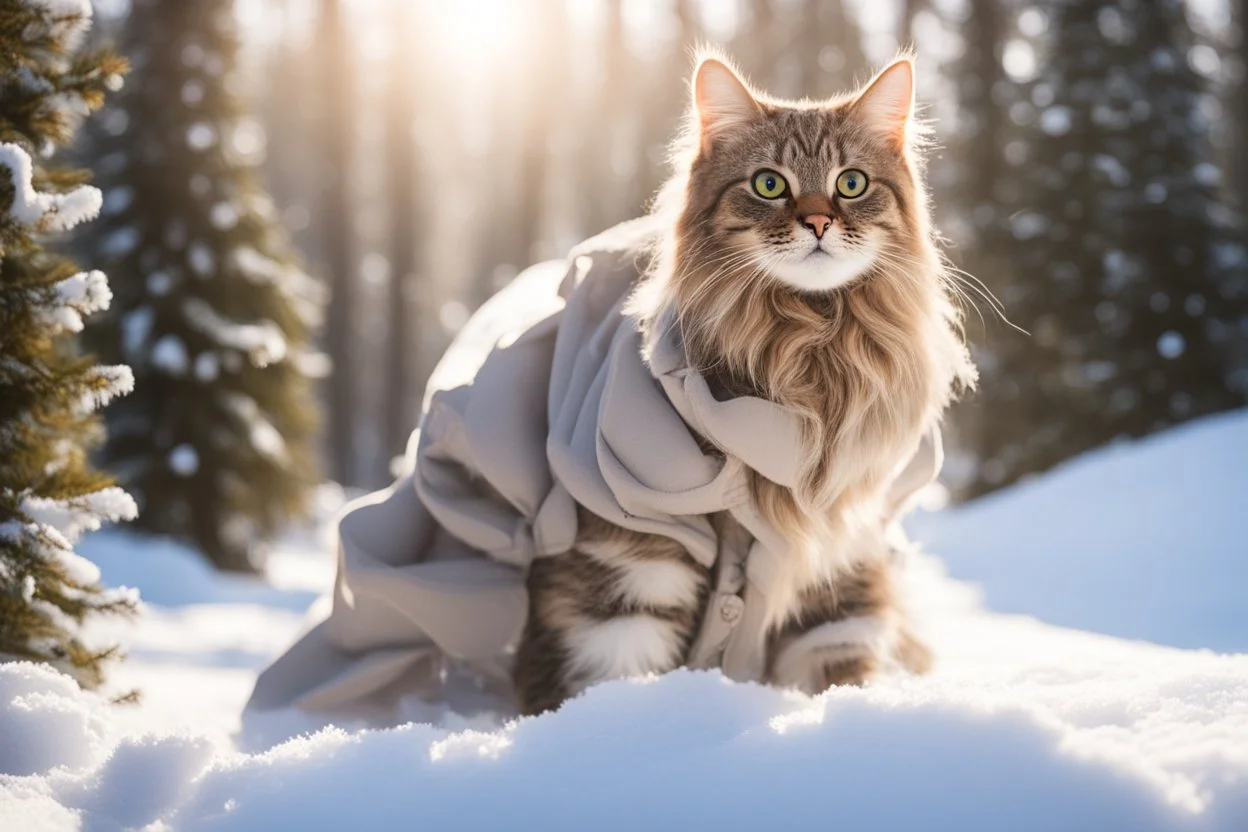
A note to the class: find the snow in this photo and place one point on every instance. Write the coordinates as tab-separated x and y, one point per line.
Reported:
70	20
223	216
135	327
169	355
47	723
1056	121
159	283
1140	541
113	380
49	528
119	243
201	136
203	262
266	271
207	367
75	516
45	211
1024	725
184	460
305	293
1171	344
76	296
263	342
263	437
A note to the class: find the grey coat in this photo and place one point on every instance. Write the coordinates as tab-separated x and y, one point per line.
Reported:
542	402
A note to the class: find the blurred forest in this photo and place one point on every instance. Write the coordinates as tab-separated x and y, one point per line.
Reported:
1088	170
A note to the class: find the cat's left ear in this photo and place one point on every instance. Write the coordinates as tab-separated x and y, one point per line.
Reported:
887	104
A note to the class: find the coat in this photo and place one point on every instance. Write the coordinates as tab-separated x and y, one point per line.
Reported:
544	401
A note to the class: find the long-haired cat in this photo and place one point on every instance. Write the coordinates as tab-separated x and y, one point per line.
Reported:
800	267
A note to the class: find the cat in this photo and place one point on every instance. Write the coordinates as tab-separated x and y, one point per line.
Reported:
801	266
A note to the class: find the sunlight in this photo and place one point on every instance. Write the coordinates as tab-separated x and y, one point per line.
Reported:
480	32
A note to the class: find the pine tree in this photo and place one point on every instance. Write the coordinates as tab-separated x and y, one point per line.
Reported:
212	313
49	494
1131	269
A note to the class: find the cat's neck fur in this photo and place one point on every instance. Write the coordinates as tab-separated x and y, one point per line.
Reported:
868	367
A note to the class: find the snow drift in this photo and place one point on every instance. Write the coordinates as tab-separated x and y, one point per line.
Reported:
1024	725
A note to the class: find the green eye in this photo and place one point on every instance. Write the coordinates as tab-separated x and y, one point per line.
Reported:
770	185
851	183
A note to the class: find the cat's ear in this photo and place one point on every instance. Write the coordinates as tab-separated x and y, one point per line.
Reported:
722	101
887	103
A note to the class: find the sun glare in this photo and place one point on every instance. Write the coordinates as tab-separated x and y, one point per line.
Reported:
481	31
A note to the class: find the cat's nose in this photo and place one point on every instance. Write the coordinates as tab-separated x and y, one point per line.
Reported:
818	223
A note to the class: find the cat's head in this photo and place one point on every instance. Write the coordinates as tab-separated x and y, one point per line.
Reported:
812	194
799	264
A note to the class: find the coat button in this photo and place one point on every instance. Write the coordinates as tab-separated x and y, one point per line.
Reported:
730	609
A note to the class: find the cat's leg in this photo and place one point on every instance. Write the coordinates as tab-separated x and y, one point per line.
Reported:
619	604
842	632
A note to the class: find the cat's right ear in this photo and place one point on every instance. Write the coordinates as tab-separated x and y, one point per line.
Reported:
722	101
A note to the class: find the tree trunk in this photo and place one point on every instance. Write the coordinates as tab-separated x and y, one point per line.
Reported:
1239	161
335	48
405	230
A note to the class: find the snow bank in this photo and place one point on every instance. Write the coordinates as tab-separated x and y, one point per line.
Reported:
690	750
47	722
1140	540
1023	725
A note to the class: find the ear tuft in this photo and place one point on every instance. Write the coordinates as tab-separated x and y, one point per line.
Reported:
887	103
722	101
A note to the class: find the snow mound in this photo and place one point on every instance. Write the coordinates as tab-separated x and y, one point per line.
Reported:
1144	539
47	722
691	750
1023	725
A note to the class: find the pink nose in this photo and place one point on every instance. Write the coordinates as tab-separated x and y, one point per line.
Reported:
818	223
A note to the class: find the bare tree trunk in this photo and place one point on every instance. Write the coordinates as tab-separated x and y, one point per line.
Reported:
335	49
1240	171
607	196
989	33
405	230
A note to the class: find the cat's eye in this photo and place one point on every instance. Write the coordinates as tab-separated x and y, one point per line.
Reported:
851	183
770	185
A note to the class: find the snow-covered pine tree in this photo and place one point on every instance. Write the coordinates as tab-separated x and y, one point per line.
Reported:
1132	268
49	494
211	312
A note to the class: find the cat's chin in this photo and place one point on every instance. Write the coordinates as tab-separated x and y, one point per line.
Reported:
820	271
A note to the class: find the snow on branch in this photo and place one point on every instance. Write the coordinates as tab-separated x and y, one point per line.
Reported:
67	21
77	515
307	294
45	211
261	435
53	526
103	384
263	342
76	297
